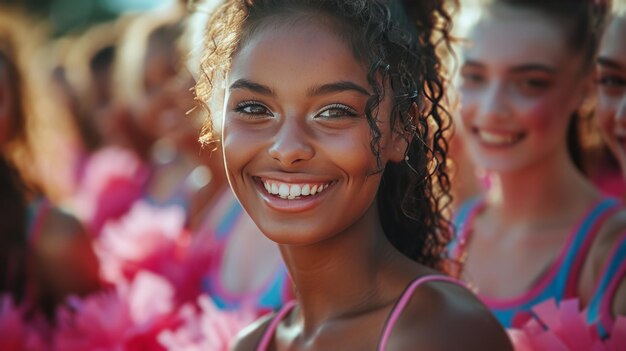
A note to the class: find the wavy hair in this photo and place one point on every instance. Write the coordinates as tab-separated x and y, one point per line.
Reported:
398	41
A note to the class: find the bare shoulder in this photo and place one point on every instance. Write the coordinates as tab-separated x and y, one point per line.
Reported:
611	231
444	316
609	236
63	257
60	232
249	338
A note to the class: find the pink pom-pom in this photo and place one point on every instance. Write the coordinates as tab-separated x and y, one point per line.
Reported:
564	328
154	239
113	179
208	328
18	334
128	318
146	238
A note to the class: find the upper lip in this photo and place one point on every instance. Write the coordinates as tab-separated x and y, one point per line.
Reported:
293	178
496	131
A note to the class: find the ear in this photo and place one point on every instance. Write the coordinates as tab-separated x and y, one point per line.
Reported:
401	137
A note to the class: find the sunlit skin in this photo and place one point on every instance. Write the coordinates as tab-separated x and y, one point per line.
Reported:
294	114
520	85
310	126
611	108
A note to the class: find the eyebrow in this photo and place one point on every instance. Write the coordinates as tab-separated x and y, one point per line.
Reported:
517	69
324	89
473	63
603	61
337	87
533	67
255	87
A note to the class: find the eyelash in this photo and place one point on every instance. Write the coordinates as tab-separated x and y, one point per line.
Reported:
349	111
611	81
240	108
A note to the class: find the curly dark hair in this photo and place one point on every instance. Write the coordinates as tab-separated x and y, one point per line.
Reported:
398	41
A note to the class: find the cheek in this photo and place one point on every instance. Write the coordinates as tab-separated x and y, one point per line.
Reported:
544	115
240	145
605	118
469	103
350	152
607	106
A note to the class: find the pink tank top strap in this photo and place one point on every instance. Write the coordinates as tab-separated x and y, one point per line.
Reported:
270	331
404	300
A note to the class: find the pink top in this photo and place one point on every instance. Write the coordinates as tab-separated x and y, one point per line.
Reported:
389	324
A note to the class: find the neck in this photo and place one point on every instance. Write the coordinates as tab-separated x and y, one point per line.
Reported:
546	189
342	276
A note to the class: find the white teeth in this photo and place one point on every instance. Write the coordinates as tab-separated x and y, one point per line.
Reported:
500	139
293	191
306	190
283	190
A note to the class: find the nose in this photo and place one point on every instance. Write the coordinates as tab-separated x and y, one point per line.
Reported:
291	143
493	105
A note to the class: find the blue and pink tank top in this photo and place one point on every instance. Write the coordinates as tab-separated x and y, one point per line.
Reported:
599	311
405	297
560	281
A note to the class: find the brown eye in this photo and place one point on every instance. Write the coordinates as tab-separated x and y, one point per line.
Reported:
533	86
472	78
337	111
612	85
253	108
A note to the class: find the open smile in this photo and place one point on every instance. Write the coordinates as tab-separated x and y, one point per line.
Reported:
292	196
498	139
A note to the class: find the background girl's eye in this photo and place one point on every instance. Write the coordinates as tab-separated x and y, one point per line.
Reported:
612	85
337	111
471	79
533	86
535	83
612	81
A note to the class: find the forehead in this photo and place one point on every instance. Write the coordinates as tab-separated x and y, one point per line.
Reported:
509	36
307	51
614	41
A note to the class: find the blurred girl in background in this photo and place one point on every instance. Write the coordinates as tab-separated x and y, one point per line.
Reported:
45	253
542	230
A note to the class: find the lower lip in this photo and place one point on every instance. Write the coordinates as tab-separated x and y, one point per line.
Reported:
302	204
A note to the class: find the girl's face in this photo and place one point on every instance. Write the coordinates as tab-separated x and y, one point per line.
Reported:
611	75
295	137
519	87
